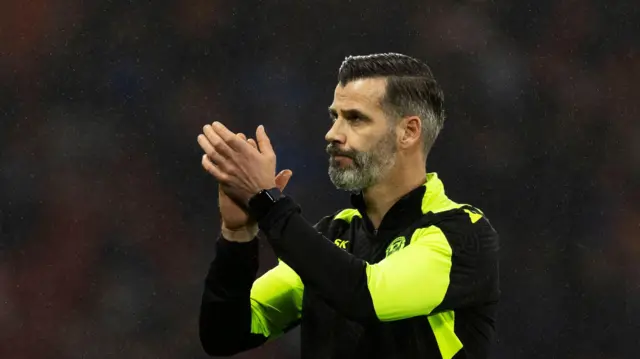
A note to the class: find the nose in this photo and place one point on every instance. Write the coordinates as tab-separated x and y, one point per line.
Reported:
335	134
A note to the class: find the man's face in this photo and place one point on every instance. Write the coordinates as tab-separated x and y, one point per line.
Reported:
362	141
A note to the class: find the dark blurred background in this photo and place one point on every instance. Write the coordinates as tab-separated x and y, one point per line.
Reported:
109	222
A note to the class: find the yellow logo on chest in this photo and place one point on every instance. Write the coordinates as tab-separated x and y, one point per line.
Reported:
395	245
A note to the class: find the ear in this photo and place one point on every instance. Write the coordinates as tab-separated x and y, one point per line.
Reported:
409	131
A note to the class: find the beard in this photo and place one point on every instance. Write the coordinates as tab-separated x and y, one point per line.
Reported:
366	168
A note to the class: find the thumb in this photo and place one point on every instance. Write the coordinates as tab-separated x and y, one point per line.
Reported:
283	178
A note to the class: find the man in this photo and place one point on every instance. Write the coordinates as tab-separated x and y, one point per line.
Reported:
405	273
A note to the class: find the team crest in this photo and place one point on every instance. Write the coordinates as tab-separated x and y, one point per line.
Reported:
395	245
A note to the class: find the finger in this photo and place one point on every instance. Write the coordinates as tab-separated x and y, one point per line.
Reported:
213	155
217	142
282	179
264	144
204	143
213	169
218	160
250	141
229	137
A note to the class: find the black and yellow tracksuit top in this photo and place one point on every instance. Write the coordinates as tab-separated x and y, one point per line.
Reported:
424	285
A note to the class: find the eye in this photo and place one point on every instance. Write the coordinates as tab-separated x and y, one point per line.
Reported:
333	116
354	118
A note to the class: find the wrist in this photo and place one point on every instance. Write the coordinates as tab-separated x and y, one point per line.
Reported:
241	234
261	203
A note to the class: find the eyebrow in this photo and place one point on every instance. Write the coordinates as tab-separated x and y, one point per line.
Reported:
349	113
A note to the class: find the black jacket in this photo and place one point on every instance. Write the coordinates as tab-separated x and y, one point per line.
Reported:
424	285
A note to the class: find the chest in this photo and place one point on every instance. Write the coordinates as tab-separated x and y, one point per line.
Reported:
370	246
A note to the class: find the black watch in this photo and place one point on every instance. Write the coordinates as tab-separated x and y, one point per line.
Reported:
260	204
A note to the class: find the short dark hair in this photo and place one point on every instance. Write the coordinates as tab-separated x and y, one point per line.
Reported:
411	88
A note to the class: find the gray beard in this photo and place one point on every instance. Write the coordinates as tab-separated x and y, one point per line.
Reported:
366	168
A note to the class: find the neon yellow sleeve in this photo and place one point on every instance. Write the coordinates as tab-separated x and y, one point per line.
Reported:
414	280
276	301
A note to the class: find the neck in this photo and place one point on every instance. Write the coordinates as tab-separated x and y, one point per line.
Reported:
380	197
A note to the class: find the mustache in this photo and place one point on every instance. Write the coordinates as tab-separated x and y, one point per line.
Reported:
335	151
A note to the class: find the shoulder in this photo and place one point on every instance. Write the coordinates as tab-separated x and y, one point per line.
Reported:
462	219
464	226
337	221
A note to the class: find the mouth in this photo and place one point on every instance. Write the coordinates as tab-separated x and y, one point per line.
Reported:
341	160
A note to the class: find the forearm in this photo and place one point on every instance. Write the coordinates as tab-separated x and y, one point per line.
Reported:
338	276
225	312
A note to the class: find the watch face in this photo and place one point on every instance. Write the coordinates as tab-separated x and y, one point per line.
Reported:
274	194
269	195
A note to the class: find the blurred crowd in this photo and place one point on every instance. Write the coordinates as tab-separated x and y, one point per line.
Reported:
108	221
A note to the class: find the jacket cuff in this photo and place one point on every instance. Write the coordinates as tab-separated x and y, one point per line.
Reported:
280	210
